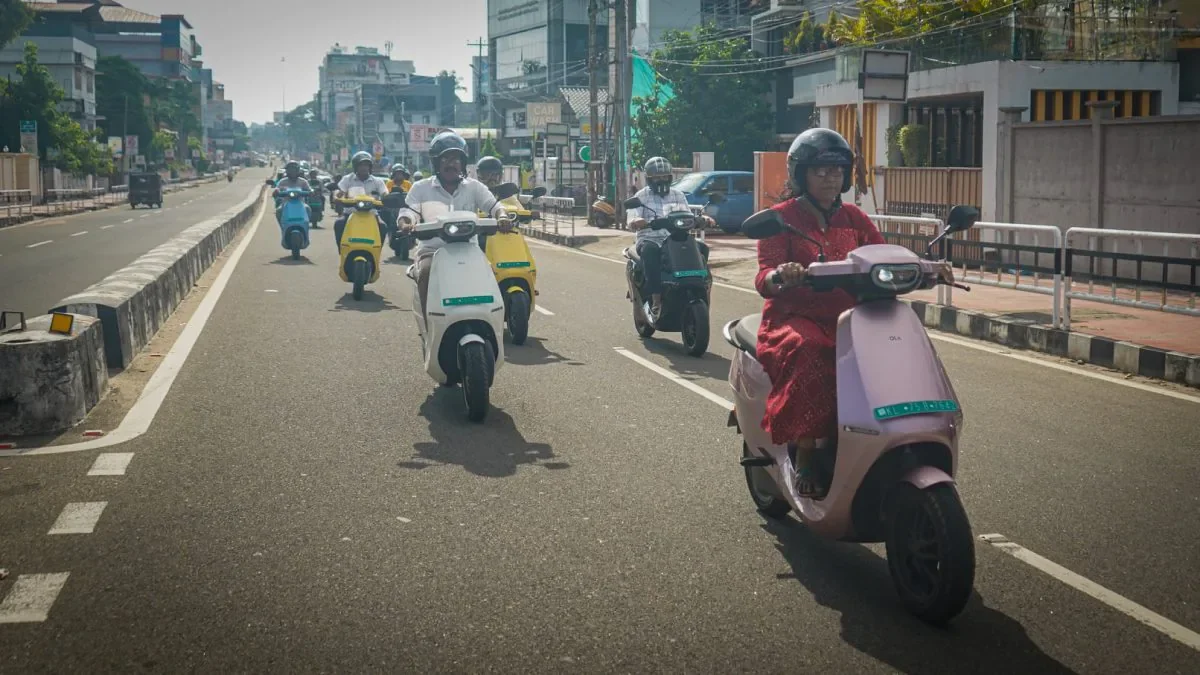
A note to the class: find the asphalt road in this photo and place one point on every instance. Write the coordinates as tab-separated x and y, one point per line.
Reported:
45	261
308	500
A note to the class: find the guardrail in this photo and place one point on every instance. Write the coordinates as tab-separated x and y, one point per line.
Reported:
557	211
1118	284
1015	266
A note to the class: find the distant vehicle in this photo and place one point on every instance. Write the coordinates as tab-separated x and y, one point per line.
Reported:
737	186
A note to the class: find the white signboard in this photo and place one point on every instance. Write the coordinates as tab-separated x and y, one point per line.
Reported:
538	115
884	75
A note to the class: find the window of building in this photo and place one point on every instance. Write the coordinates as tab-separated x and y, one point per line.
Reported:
78	80
521	54
91	83
577	44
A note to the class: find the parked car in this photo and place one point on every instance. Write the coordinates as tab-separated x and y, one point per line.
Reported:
737	186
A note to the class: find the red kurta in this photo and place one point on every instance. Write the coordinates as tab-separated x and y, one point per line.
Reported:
796	339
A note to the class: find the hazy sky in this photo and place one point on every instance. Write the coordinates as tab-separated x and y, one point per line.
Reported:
243	41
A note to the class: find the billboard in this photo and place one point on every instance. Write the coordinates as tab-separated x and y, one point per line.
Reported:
538	115
511	16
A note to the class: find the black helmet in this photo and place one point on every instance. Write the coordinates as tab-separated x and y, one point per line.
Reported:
489	165
360	157
398	167
445	142
658	175
819	147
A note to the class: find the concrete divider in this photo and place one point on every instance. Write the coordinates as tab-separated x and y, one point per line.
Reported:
134	302
49	382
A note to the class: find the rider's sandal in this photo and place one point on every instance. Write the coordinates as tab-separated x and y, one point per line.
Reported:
808	486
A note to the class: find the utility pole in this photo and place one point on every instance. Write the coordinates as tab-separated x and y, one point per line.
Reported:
478	44
620	31
593	184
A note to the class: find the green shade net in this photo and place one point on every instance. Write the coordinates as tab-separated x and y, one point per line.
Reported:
644	78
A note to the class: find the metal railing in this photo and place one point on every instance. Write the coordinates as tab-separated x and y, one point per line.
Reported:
16	203
1023	262
1128	290
556	212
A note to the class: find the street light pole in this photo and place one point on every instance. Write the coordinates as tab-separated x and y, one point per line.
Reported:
480	44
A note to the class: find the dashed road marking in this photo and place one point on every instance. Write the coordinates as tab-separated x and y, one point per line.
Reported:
111	464
543	310
78	518
31	597
40	243
80	234
686	384
1088	587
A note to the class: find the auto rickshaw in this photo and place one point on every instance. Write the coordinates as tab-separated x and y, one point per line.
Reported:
145	188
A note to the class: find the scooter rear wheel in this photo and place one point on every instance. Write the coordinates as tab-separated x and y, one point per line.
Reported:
930	551
476	370
643	327
761	491
518	317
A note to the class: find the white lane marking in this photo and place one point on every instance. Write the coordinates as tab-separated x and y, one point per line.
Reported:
40	243
130	220
989	347
543	310
78	518
80	234
146	216
691	386
1088	587
142	414
1001	350
111	464
31	597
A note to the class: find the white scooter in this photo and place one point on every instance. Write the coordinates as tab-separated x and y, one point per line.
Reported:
462	333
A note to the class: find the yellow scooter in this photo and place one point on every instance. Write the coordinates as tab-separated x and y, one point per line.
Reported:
361	247
515	270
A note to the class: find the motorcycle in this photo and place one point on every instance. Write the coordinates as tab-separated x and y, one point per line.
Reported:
361	247
603	214
293	217
892	464
400	243
686	283
514	268
461	340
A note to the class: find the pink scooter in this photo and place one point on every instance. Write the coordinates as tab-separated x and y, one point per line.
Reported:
892	465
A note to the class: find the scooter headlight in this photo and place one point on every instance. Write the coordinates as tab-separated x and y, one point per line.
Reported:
464	228
898	278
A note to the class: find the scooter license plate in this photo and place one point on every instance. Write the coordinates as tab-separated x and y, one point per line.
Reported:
895	410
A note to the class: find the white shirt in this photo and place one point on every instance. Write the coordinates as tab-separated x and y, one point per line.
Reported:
373	184
471	195
656	206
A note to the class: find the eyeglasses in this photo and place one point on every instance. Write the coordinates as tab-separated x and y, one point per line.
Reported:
828	171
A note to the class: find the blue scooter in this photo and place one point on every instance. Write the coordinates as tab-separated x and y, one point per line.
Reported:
294	219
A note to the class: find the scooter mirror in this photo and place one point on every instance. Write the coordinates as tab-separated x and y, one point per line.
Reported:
765	223
538	192
961	218
506	190
716	198
633	203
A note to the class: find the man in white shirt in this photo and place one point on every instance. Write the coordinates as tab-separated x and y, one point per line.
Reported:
658	199
371	185
450	186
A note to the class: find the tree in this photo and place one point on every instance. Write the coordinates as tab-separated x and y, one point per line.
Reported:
720	105
489	149
61	140
15	17
452	75
808	36
121	94
898	19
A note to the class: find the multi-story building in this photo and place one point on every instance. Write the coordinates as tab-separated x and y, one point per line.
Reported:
654	18
69	52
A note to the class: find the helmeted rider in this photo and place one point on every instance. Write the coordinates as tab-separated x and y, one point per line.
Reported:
418	176
291	179
449	185
371	185
399	179
490	171
658	199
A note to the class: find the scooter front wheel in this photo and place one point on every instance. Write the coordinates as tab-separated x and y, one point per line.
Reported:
359	278
518	317
930	551
476	370
695	329
761	491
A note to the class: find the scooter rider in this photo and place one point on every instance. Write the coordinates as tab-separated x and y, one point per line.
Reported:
658	199
449	185
399	179
490	171
291	179
361	178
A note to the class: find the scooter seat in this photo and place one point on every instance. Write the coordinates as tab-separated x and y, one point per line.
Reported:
745	333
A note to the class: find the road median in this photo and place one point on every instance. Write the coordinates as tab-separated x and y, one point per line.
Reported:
52	381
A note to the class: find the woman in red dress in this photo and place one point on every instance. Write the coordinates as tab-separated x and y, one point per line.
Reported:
799	325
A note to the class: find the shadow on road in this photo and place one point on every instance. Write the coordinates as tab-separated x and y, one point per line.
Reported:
397	260
287	260
709	365
371	302
852	580
535	353
495	449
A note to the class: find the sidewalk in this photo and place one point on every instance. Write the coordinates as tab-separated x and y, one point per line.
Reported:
1133	340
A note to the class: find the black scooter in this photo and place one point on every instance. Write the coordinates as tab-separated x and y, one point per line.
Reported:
686	282
400	243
